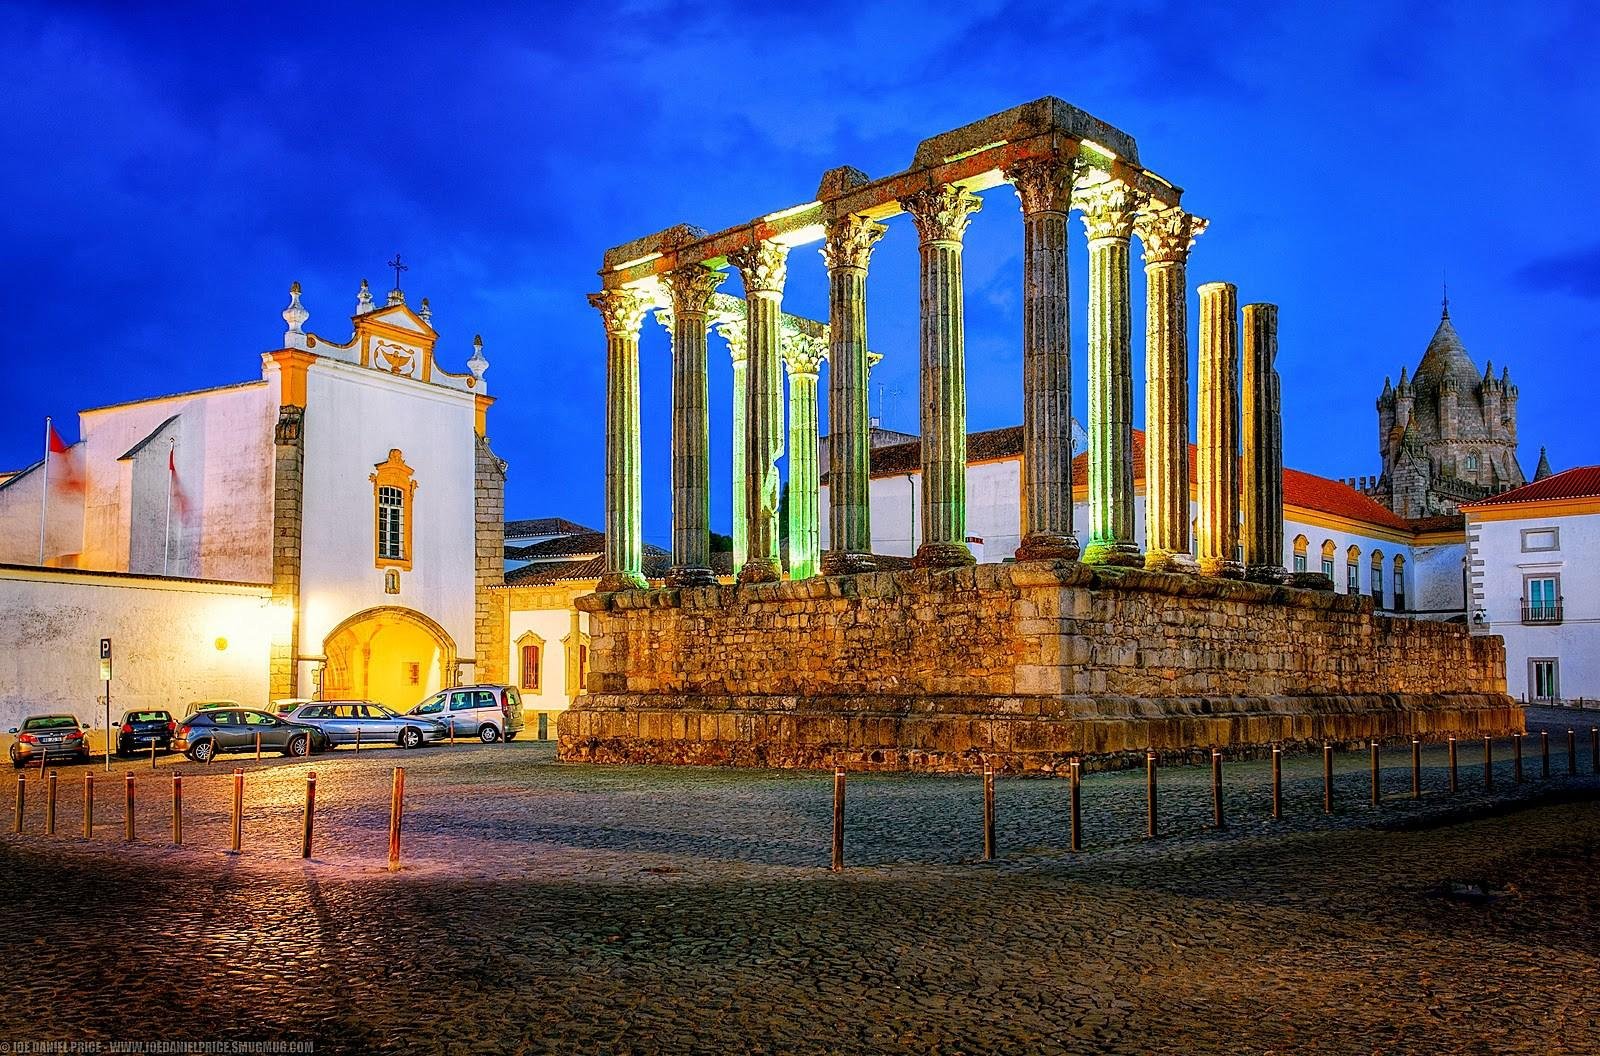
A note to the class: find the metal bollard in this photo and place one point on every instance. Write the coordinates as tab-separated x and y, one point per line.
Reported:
358	740
1216	789
1327	778
177	810
1594	749
311	806
1277	782
237	843
1150	792
22	803
1416	768
396	805
1488	762
1077	818
127	810
1516	757
988	812
88	805
50	805
1377	791
1544	753
1572	753
152	753
258	747
452	733
838	819
1454	782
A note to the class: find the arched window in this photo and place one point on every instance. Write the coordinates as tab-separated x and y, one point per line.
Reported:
1352	570
1399	583
530	662
392	488
1377	578
1328	553
1301	545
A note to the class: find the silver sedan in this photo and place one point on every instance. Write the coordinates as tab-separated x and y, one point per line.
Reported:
363	722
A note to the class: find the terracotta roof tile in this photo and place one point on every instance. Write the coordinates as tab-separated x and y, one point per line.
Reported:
1582	482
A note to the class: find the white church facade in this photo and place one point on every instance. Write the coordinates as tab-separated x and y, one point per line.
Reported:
318	531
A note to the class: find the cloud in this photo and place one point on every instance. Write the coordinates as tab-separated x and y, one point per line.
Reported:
1576	273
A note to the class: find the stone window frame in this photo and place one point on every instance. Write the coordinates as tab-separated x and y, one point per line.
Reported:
1554	532
1352	569
525	641
1472	462
392	478
1399	584
1533	679
577	652
1302	548
1330	555
1529	577
1377	579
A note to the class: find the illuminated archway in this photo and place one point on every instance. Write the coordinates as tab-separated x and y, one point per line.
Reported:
393	655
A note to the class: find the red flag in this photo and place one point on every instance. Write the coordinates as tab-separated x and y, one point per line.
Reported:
63	472
180	504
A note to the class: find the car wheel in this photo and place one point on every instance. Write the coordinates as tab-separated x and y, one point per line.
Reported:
299	746
201	751
488	734
16	760
411	737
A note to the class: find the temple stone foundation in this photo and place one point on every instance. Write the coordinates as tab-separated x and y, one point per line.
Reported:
1022	666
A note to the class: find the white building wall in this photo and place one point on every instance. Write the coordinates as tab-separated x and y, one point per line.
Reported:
353	417
1499	566
20	511
173	642
554	626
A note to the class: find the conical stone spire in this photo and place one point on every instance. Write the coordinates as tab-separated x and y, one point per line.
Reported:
1543	469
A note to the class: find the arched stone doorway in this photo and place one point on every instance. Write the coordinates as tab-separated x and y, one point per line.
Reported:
393	655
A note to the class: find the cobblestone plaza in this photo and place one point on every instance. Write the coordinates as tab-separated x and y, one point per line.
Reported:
546	907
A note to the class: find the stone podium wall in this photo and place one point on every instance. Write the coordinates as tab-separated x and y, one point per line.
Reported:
1022	665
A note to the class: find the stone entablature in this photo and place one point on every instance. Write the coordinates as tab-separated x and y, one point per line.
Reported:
1021	665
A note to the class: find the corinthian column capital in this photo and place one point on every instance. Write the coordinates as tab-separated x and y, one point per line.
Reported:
622	311
941	213
803	353
1109	209
849	240
691	287
763	265
1043	185
1168	234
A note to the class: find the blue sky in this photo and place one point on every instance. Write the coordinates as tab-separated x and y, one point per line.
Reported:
170	171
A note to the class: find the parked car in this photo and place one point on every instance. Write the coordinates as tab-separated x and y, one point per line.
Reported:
49	737
207	733
211	705
140	729
285	705
344	720
489	713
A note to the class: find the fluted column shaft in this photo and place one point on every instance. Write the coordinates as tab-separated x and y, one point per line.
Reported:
736	348
802	356
1044	186
691	288
764	268
1108	219
1262	471
846	252
1167	235
622	311
1218	436
941	215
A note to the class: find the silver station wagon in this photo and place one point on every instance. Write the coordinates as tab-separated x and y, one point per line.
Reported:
364	722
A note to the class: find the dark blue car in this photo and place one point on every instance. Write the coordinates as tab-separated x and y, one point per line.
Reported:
140	729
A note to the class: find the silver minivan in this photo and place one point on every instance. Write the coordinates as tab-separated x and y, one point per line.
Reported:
489	713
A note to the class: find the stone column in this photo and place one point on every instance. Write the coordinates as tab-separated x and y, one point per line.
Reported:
1108	212
1167	236
1044	186
622	311
802	357
941	215
1262	470
735	333
846	251
764	266
1218	434
691	288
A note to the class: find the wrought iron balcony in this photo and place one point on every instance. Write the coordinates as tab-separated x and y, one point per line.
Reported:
1545	612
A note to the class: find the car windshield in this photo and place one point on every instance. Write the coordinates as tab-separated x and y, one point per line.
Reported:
148	716
51	722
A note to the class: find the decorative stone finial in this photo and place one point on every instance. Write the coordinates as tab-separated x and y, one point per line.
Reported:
478	363
425	313
364	299
295	315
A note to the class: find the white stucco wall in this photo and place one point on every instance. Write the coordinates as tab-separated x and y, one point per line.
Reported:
164	633
1499	565
554	626
353	417
20	510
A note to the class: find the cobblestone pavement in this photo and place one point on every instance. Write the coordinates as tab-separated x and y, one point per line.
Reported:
544	907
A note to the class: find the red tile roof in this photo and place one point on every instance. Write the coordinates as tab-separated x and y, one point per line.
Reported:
1305	490
1582	482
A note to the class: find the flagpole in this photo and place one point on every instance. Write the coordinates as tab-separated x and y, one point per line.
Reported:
166	558
44	492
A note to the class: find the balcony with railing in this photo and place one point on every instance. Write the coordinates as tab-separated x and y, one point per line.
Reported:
1541	611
